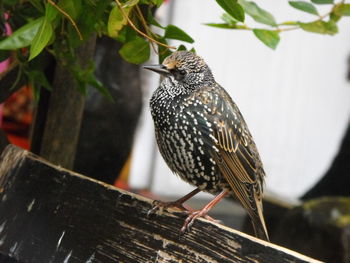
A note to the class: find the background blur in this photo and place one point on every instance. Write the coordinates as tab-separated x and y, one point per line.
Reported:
296	99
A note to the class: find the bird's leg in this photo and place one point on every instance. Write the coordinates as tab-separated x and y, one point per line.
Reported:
159	205
203	212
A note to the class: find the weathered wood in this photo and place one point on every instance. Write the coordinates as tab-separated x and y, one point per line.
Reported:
65	112
49	214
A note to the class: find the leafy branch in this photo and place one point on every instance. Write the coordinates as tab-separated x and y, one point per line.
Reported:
41	27
324	24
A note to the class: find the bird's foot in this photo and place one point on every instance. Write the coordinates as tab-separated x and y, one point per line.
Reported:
193	215
160	206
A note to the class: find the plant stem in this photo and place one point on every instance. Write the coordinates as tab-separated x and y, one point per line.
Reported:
139	31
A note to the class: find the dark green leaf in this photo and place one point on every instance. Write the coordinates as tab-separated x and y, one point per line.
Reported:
334	17
151	20
258	14
163	52
173	32
136	51
50	12
342	10
304	6
10	2
72	8
4	54
158	3
116	21
320	27
130	34
220	25
93	81
321	2
37	77
181	48
232	8
23	36
268	37
38	4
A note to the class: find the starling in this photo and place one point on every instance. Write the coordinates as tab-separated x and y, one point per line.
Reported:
204	139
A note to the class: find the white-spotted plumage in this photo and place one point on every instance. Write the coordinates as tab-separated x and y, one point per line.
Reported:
203	137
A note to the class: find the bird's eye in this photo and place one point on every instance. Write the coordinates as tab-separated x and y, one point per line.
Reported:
182	72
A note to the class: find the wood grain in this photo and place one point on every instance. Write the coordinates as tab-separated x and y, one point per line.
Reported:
49	214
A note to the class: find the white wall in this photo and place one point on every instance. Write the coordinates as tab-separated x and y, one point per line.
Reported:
296	100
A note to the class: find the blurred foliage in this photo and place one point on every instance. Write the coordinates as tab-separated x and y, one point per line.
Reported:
60	26
270	36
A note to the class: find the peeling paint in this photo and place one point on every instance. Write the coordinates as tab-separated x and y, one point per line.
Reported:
30	206
13	248
68	257
2	240
233	244
91	258
2	226
60	239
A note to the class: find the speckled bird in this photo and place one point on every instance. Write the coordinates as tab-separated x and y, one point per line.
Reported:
204	139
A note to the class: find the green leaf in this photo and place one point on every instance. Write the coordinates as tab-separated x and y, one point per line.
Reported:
163	52
173	32
45	33
50	12
116	21
322	2
304	6
23	36
72	8
151	20
229	19
41	39
181	48
221	25
320	27
9	2
334	17
268	37
136	51
342	10
158	3
38	4
233	8
92	80
258	14
130	3
38	77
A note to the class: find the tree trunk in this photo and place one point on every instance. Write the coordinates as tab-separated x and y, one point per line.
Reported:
65	112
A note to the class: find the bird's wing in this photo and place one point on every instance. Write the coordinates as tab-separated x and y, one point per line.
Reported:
234	149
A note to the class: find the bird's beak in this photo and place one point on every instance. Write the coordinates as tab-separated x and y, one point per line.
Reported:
160	69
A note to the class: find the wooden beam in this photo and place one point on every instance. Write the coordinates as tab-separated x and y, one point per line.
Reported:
50	214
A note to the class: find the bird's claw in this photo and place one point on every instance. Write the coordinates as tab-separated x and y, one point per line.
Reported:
193	216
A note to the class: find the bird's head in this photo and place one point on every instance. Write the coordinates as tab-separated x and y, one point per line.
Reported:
185	67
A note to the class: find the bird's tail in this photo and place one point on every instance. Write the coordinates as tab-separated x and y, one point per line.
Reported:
259	225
